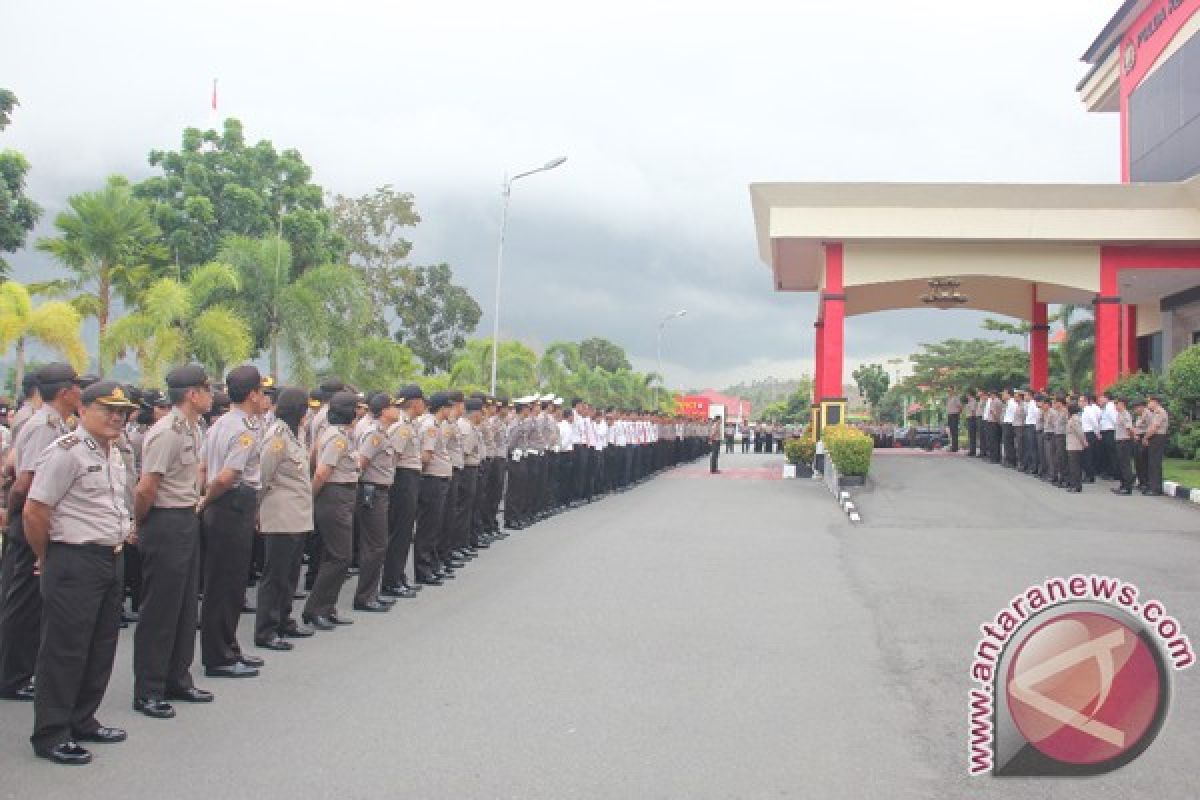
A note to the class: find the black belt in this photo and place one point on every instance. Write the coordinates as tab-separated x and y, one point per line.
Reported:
102	549
437	477
377	485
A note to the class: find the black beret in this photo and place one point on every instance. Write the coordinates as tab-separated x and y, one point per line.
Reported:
410	392
109	394
439	400
456	396
244	379
475	404
379	401
87	380
343	403
315	398
56	372
187	377
29	381
291	402
331	386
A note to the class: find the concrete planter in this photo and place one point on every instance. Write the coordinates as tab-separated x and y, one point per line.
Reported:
851	480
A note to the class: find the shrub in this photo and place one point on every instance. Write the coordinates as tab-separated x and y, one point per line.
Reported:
1139	384
1185	439
849	448
801	450
1183	381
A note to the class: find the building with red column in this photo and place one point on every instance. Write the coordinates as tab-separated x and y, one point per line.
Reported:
1131	250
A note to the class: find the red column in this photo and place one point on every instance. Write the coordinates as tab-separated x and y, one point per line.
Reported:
1039	349
1129	342
1108	323
833	302
818	359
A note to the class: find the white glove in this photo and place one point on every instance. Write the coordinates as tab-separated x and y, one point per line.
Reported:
516	454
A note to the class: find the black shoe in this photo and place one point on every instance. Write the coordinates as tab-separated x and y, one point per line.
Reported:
103	735
70	754
410	587
25	694
319	622
192	695
351	571
446	575
336	620
275	643
432	580
373	606
1074	490
1153	494
294	630
396	592
1120	490
248	609
235	670
483	544
128	617
153	707
300	594
251	661
454	563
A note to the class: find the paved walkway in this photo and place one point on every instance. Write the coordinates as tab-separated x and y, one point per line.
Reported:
699	637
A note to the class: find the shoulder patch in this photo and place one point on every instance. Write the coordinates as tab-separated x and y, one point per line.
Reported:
277	445
245	440
340	444
375	440
68	441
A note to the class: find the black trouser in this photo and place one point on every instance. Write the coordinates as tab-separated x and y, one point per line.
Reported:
1033	449
373	539
1018	445
1009	456
1155	451
716	454
499	471
464	510
728	444
20	610
446	541
431	506
514	508
583	489
164	642
1049	472
132	556
229	540
972	435
1060	457
81	615
282	553
1108	441
479	512
1141	454
402	514
952	421
994	437
1074	467
333	514
1091	457
1125	462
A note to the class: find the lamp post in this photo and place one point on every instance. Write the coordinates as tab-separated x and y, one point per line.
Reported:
506	194
662	325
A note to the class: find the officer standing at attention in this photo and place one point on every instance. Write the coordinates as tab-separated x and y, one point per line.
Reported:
76	522
21	603
1156	445
714	442
230	508
435	484
953	415
377	462
406	489
472	441
972	412
164	643
1141	423
285	517
1123	440
335	489
1076	444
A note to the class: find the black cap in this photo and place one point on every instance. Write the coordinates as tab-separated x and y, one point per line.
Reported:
410	392
343	403
439	400
379	401
315	398
187	377
152	397
109	394
455	396
220	400
475	404
87	380
29	381
243	380
331	386
56	373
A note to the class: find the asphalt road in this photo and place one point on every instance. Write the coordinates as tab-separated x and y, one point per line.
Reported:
699	637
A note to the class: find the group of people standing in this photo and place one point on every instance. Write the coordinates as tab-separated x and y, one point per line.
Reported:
207	485
1067	439
756	437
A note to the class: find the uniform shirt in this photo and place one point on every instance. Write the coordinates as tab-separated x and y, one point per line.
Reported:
433	440
1124	426
995	410
472	442
953	405
1010	410
85	486
1060	422
403	434
621	433
1090	418
513	436
1142	422
136	436
454	444
1159	422
122	445
1108	417
1033	415
317	426
43	428
234	441
172	449
566	435
1018	419
22	415
287	501
334	450
376	446
601	429
1076	437
360	426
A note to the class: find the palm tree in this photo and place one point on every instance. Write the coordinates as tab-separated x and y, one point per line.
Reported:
54	324
174	323
107	239
265	269
516	366
1073	360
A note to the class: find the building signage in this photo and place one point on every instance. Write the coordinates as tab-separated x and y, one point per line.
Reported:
693	406
1148	32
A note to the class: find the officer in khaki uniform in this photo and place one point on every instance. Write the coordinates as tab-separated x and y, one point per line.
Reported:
377	460
436	471
21	602
468	427
450	555
335	489
1155	438
164	643
233	446
1141	423
76	521
406	488
285	518
1123	439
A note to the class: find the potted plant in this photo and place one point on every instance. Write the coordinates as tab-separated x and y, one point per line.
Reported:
851	451
800	452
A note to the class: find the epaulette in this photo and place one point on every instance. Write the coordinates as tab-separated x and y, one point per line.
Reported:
179	425
68	441
251	422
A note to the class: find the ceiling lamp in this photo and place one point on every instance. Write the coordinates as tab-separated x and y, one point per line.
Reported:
944	293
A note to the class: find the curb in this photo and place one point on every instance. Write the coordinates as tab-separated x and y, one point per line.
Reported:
1173	489
848	506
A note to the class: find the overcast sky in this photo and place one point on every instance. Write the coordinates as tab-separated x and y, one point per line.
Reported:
666	110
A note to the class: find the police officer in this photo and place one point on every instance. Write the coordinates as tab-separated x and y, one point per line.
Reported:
1123	441
164	643
472	440
285	517
377	462
21	604
405	491
233	448
335	492
436	472
1155	438
76	522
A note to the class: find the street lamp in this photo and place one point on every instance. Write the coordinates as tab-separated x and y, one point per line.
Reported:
661	327
506	194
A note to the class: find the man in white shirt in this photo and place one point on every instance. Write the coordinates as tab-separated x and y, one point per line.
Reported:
1033	418
1107	454
1010	410
1090	416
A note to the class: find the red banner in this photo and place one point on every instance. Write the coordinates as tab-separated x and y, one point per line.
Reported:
692	407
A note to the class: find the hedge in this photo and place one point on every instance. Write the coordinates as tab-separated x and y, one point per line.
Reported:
849	448
800	450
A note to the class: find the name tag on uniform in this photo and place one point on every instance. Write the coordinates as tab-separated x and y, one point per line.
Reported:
95	468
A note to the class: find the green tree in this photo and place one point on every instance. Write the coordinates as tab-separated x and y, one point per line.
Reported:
266	299
983	363
435	315
18	213
872	381
54	324
215	185
1183	381
175	322
516	367
1072	361
108	241
598	352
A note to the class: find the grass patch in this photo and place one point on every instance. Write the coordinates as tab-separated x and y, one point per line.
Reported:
1182	471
